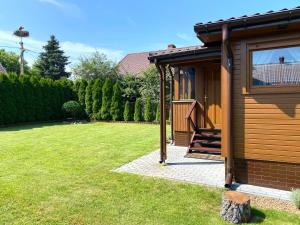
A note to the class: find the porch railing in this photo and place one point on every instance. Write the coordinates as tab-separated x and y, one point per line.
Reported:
195	106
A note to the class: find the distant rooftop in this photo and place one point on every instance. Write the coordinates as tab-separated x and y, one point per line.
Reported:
134	64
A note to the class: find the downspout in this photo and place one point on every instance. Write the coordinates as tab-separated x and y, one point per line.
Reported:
163	146
228	64
171	102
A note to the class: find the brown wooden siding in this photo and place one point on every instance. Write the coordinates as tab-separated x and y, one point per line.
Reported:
179	112
266	126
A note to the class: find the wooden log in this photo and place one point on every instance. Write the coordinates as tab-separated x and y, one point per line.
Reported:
235	207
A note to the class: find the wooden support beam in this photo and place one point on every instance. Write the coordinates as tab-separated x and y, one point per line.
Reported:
163	142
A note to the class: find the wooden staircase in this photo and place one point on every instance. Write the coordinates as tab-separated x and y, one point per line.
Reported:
205	140
202	140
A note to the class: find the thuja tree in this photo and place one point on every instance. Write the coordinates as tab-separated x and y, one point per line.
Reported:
97	98
81	93
106	99
116	102
148	114
138	110
89	98
128	112
157	115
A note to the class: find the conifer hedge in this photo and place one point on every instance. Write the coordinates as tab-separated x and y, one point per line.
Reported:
29	99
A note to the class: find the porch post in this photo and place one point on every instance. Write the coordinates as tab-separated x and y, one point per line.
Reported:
171	101
163	143
226	101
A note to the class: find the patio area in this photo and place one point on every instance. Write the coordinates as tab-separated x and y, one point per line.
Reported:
195	171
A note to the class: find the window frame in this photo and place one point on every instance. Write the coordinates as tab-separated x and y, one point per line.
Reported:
267	44
184	82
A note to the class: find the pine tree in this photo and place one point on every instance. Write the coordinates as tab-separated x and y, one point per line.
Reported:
127	112
81	93
52	62
106	99
157	117
97	97
116	102
138	110
89	98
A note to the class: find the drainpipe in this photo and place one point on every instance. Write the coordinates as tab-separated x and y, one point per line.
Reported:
227	62
171	101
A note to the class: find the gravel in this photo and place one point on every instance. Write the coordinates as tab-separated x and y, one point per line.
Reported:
271	203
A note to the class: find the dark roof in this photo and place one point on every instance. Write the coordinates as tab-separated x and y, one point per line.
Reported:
2	69
134	63
172	53
249	20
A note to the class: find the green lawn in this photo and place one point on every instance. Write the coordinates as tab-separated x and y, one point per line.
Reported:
61	174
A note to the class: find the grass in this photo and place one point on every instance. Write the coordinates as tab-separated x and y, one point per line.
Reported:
61	174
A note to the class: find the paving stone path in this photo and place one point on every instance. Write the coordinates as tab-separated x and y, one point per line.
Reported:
190	170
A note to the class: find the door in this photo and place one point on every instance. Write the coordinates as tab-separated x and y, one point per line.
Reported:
212	97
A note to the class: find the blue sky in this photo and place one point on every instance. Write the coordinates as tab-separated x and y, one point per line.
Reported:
117	27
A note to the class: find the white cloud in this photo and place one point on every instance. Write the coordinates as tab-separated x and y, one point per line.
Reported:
183	36
72	49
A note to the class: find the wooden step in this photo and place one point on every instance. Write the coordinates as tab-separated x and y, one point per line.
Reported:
204	142
209	129
205	149
208	135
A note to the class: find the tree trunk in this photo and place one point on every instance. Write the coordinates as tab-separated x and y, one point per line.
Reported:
235	207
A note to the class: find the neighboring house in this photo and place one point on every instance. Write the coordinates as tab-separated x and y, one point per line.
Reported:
238	95
2	69
134	64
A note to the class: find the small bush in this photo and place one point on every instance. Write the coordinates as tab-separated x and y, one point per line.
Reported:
296	197
73	109
138	110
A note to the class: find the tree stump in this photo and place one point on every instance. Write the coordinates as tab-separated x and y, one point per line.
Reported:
235	207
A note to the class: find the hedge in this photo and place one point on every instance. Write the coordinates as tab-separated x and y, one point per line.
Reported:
30	99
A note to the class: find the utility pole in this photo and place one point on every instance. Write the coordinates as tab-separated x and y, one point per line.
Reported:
21	33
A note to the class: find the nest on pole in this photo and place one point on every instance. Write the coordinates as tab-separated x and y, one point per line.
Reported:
21	33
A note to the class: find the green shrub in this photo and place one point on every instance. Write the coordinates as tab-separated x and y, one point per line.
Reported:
73	109
116	102
81	93
157	115
138	110
89	98
128	112
106	99
97	98
296	197
148	114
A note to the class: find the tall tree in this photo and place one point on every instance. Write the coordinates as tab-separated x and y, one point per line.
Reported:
106	99
138	110
116	102
81	93
97	97
52	62
96	66
89	98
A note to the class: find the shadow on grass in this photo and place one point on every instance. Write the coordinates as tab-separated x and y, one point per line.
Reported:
257	216
33	125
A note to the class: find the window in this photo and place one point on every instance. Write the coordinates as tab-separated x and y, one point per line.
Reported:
276	67
187	83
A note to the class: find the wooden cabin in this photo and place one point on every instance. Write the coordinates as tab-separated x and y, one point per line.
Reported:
238	95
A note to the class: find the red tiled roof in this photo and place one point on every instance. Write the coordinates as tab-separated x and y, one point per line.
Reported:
134	63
